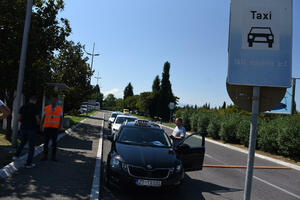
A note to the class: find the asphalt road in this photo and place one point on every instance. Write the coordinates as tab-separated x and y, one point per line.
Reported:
218	183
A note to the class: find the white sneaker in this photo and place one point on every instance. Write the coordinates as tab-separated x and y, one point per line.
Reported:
32	165
15	157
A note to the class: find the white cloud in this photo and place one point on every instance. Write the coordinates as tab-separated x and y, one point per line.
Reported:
115	91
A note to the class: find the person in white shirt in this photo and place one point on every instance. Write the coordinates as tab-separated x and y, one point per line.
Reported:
4	110
179	132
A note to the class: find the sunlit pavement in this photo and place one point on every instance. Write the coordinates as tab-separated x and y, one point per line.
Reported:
69	178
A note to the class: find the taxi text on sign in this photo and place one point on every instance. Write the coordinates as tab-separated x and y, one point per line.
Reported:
260	43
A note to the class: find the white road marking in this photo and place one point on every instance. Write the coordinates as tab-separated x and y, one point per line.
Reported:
207	155
95	192
259	179
279	188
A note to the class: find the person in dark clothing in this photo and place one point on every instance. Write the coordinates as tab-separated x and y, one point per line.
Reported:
52	122
29	118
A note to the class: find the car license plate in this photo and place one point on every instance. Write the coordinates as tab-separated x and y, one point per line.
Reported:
149	183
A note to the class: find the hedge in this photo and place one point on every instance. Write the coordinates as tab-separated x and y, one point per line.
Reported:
280	135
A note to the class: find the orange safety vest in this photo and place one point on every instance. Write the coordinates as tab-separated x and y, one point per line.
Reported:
52	119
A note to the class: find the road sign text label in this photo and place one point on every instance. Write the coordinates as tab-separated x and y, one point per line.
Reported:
263	16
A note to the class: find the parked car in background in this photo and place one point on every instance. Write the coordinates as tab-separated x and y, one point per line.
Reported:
83	109
113	117
120	119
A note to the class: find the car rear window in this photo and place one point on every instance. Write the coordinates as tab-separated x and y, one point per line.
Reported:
120	120
144	136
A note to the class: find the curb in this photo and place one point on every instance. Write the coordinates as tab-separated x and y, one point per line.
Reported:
280	162
95	191
12	167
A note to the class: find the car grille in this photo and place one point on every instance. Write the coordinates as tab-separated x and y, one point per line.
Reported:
140	172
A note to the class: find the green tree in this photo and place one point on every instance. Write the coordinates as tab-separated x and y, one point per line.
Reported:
128	91
47	35
145	102
119	104
156	84
110	101
155	102
165	93
224	105
131	101
97	95
71	68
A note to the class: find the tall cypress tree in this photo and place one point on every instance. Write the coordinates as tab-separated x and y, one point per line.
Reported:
165	93
155	97
156	84
128	91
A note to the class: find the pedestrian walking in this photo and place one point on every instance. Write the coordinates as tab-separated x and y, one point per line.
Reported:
4	110
179	132
29	118
52	121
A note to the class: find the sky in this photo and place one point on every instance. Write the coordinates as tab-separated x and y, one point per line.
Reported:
136	37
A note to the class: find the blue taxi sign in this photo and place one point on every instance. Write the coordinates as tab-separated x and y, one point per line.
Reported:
260	43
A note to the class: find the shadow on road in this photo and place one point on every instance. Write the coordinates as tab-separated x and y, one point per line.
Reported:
69	178
191	189
50	179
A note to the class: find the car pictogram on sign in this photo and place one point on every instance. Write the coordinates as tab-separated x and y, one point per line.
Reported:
260	35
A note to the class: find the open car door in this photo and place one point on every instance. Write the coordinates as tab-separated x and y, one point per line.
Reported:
191	152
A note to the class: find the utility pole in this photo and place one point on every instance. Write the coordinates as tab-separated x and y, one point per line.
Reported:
21	70
98	77
92	54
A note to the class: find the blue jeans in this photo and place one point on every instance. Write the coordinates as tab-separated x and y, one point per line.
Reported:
27	135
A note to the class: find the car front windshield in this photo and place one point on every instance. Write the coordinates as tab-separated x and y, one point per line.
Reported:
144	136
120	120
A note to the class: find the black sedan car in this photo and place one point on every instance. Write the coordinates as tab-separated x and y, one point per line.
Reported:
142	154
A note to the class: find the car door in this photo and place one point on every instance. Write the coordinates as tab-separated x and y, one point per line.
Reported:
191	152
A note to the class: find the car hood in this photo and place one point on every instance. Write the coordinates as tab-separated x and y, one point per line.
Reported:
143	155
116	126
111	119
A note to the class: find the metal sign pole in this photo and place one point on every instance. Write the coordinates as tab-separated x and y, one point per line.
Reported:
21	70
293	96
252	143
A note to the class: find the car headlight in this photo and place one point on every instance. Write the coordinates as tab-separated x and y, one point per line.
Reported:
178	168
116	163
250	36
270	37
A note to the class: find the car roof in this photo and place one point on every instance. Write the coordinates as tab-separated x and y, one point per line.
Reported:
127	116
150	125
117	112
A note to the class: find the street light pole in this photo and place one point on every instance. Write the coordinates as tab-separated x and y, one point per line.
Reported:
21	70
92	54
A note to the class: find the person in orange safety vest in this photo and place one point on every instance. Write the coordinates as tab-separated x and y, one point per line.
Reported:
52	121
